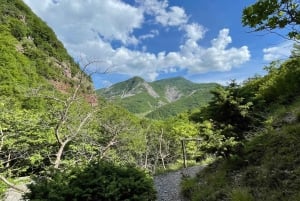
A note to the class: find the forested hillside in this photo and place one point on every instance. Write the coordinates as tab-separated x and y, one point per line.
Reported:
259	124
159	99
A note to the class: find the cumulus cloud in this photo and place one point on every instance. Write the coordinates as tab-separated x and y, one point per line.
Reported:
74	20
163	13
194	31
89	28
175	16
195	59
281	51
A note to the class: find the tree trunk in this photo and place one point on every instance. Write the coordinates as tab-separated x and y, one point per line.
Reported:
160	150
60	153
146	160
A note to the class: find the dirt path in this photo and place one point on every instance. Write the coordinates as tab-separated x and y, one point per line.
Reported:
13	195
168	185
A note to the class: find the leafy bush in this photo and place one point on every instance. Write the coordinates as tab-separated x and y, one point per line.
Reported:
18	29
97	181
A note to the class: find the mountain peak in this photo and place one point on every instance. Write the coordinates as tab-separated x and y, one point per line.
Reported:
142	98
137	78
132	82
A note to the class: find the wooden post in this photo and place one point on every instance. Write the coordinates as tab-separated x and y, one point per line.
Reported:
183	152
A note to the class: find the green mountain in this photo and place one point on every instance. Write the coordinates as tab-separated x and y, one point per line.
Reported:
31	56
159	99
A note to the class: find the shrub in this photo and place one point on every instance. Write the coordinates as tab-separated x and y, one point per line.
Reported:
241	194
97	181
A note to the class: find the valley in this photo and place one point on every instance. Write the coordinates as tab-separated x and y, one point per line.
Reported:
68	141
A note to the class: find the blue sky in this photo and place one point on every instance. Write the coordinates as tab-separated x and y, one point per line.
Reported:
203	41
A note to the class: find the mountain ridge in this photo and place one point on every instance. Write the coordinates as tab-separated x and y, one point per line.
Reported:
143	98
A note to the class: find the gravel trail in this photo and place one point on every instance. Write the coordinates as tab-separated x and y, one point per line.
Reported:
168	185
13	195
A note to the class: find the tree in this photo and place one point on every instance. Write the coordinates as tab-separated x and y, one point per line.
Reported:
214	141
223	123
229	108
69	122
118	136
274	14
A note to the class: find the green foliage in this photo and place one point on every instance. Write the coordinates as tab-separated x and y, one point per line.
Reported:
273	14
140	103
119	134
18	29
28	47
267	168
229	108
3	189
223	123
22	136
16	71
282	82
241	194
97	181
214	141
213	188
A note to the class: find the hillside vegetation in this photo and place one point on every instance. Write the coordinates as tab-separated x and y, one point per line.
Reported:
266	165
30	51
160	99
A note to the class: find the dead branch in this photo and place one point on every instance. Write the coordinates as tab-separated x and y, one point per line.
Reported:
11	185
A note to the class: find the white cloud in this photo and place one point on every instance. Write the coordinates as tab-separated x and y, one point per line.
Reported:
145	64
74	20
87	29
194	31
152	34
281	51
165	15
175	16
222	59
223	40
215	58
